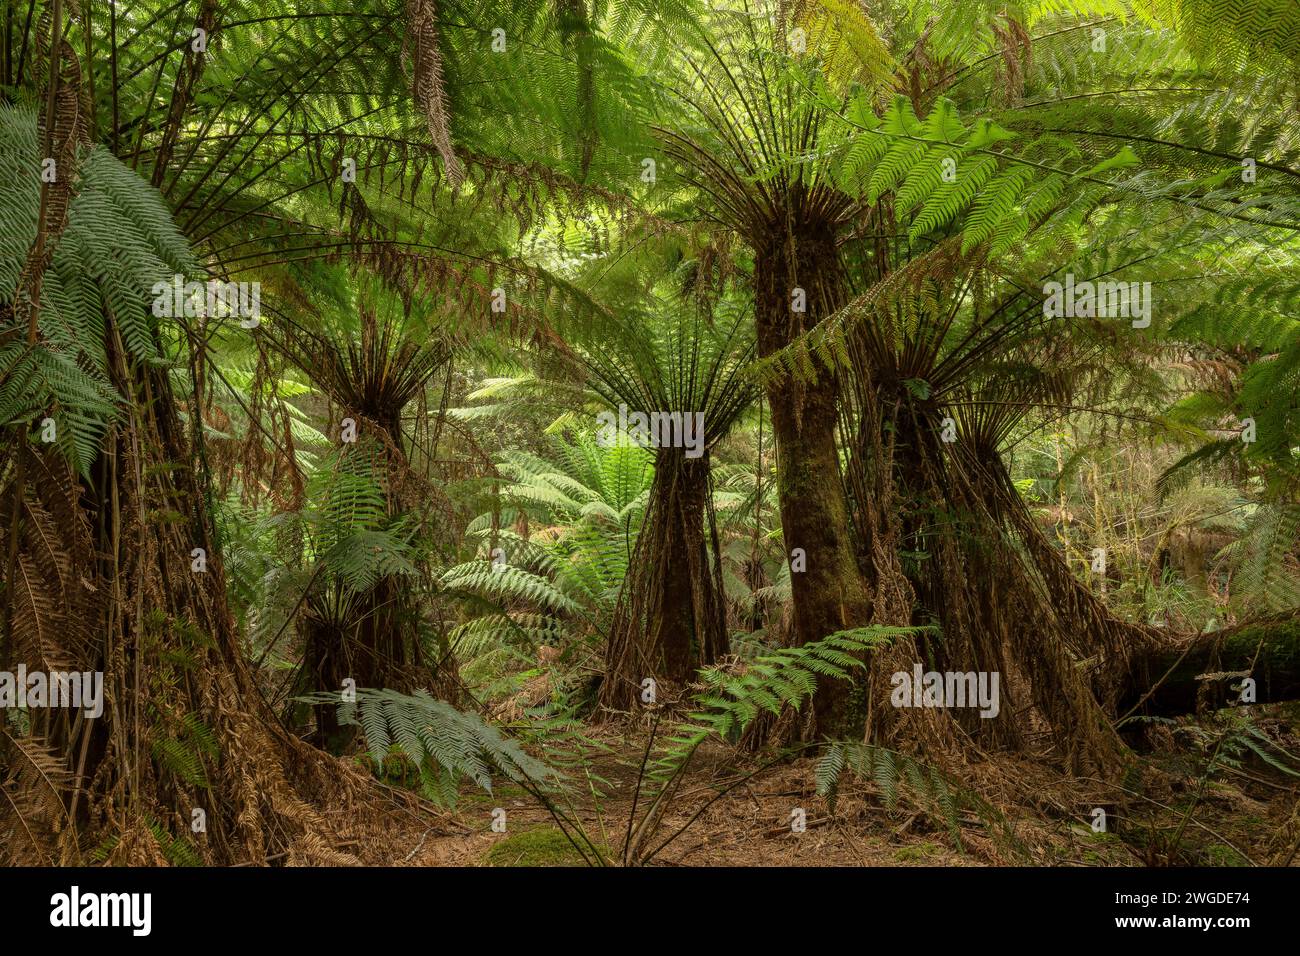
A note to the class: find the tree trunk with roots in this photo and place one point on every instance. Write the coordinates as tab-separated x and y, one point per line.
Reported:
922	531
1002	598
120	574
670	618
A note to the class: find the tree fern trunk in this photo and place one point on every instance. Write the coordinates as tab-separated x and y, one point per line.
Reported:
670	620
829	594
185	733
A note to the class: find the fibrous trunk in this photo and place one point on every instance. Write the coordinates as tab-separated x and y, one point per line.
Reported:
124	577
798	281
670	618
998	598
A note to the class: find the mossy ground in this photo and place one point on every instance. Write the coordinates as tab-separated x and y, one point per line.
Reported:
543	846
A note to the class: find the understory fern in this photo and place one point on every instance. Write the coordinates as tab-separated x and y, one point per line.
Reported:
889	771
1239	739
768	684
187	751
447	745
896	775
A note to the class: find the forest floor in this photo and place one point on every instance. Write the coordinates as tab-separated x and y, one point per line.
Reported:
1242	814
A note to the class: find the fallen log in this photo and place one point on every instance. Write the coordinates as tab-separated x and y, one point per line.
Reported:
1180	677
